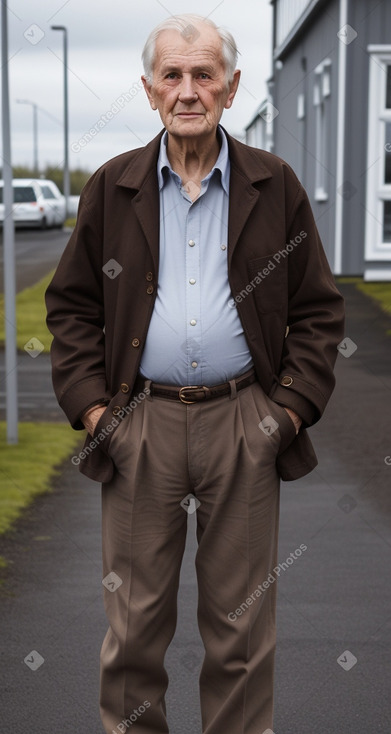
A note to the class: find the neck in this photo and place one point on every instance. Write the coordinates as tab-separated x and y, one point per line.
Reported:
193	158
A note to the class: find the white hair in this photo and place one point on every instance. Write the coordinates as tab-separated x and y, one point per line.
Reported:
186	24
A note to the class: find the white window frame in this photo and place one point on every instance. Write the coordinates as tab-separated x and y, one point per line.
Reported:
322	90
377	191
301	106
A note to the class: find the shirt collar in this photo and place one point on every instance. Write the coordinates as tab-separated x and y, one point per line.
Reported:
222	163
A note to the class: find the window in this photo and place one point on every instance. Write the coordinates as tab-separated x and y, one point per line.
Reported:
388	92
387	221
300	106
47	192
24	194
378	196
21	194
259	134
322	91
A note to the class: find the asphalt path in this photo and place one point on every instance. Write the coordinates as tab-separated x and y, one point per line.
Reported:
36	253
333	668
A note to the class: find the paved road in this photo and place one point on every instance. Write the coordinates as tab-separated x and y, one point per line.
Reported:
334	601
36	252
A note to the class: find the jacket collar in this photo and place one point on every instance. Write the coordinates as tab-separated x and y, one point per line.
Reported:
222	163
144	163
141	175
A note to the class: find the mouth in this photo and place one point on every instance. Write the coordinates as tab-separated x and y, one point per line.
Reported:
189	115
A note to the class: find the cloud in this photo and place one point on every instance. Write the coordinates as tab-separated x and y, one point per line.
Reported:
105	44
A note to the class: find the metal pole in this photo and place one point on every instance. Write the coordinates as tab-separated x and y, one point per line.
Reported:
35	132
35	138
66	126
11	374
66	116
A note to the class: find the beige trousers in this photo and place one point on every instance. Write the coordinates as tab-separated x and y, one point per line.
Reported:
218	453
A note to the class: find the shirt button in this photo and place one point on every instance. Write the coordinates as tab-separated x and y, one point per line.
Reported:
191	243
149	276
135	342
193	322
194	364
223	247
192	281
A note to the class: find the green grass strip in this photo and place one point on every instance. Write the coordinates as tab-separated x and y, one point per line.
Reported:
30	317
71	222
27	468
379	292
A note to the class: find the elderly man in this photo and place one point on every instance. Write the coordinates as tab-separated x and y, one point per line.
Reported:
196	325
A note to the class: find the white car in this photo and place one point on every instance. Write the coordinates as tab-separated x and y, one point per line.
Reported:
37	203
55	203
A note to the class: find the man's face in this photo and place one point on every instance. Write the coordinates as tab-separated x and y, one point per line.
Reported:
189	86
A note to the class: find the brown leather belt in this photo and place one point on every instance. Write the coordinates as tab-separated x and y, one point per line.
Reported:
190	394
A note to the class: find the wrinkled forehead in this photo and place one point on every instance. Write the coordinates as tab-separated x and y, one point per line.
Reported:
193	46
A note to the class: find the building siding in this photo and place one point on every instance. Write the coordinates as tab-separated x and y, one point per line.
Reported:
295	140
372	22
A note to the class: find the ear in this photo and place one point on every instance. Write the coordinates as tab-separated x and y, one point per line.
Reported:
147	84
233	88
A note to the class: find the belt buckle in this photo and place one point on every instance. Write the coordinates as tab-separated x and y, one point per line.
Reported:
184	399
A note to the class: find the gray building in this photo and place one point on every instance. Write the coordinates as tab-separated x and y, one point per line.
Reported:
329	115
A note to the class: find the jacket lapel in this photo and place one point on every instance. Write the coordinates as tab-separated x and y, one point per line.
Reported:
246	170
141	176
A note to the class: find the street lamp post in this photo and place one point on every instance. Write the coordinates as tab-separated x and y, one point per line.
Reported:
35	131
11	362
66	120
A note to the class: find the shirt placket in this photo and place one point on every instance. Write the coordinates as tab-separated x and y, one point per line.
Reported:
193	294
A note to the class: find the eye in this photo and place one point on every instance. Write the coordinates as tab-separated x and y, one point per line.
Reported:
204	75
171	75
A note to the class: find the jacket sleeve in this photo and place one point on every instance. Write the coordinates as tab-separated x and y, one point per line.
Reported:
75	313
315	319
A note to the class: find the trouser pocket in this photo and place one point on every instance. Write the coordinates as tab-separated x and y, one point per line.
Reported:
273	418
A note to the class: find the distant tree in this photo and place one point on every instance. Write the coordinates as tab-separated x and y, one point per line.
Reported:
53	173
23	172
78	178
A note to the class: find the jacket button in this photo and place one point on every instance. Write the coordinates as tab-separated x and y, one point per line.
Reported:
286	381
286	331
149	276
124	387
116	410
150	289
135	342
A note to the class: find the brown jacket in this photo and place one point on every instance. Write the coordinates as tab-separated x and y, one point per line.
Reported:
100	323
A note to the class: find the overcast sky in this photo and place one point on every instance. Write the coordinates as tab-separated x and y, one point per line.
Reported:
105	44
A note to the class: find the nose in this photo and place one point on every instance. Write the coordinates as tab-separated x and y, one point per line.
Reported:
187	92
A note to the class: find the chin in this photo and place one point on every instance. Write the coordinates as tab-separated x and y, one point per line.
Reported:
189	128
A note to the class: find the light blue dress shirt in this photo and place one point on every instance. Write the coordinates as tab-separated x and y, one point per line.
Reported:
195	336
